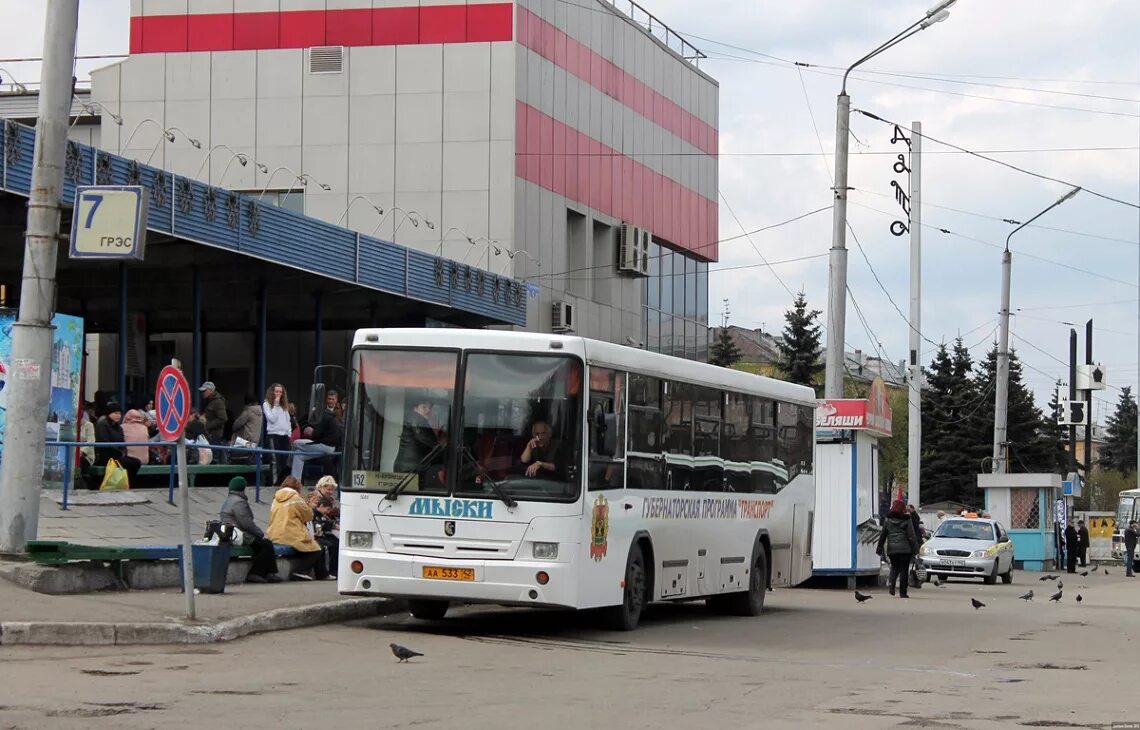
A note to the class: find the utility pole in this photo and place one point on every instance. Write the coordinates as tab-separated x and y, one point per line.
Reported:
837	265
1072	396
21	472
1088	401
1001	404
1000	463
914	419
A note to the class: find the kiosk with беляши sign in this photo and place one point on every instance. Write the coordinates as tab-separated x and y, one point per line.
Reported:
846	517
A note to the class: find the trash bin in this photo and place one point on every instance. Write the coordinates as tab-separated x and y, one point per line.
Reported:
211	562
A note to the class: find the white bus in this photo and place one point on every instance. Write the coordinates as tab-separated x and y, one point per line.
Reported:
1127	509
543	470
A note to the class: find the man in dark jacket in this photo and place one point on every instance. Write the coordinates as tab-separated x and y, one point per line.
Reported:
1130	535
1071	547
214	417
1082	543
237	513
417	439
109	431
901	544
323	439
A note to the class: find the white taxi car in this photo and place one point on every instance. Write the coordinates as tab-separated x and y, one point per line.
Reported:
968	548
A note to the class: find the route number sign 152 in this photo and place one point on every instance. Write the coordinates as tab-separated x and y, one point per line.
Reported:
109	222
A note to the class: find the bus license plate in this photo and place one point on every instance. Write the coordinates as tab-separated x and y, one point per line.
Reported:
435	573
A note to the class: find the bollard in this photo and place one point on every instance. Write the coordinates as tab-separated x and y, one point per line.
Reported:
67	466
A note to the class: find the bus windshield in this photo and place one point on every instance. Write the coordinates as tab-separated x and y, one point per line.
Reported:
1125	512
517	425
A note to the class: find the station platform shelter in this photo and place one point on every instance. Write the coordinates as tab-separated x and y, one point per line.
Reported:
243	292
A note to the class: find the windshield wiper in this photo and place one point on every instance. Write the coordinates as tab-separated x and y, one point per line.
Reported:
495	486
394	492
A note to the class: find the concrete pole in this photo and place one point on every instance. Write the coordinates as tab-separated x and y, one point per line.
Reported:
1001	402
1088	395
837	269
914	419
21	472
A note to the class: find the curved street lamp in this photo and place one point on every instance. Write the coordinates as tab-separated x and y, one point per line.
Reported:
89	106
269	182
837	267
11	80
1001	399
127	144
377	208
168	136
243	157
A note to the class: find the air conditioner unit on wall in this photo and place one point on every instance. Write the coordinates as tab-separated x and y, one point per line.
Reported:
562	317
633	250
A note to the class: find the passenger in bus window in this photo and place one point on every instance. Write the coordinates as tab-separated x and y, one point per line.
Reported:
418	438
542	455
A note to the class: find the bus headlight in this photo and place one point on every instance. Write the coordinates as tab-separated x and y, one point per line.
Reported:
546	551
360	540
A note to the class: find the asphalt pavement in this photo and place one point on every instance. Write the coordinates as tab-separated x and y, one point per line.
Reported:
816	658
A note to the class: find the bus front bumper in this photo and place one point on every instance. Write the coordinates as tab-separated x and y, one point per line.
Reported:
505	582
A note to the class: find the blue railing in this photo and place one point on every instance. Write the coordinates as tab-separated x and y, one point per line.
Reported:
259	464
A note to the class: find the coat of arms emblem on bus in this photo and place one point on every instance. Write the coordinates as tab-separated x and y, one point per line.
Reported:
599	528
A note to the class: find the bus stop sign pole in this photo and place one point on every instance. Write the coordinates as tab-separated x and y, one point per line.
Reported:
172	409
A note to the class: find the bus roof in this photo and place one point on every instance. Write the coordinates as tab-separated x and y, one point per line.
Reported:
593	351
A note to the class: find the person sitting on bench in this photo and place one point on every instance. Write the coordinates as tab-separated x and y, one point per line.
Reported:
109	431
289	518
236	513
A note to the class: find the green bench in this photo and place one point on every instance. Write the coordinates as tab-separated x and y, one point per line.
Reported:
193	470
53	552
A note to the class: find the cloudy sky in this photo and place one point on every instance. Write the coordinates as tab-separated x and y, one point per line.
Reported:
1048	85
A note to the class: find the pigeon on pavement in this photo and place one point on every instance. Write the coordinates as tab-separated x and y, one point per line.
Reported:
1027	597
1080	598
1106	571
861	597
1056	597
1060	584
976	604
1084	573
403	653
1052	577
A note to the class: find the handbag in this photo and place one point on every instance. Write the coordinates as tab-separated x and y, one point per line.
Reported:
114	477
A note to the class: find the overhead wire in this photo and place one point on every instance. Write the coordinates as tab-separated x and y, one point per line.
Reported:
1084	188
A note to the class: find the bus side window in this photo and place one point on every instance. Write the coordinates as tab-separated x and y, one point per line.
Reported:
735	446
606	426
678	445
768	473
644	445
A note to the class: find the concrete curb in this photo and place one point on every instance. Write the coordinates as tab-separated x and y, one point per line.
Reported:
83	633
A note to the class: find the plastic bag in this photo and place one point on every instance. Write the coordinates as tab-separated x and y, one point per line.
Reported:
114	477
205	455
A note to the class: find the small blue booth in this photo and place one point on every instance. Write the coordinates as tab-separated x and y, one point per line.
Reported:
1027	505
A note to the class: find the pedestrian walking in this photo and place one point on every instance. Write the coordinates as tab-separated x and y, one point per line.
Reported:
1071	548
1130	535
900	543
278	426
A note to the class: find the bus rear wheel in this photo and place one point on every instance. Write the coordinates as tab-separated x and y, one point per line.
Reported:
751	602
427	610
626	616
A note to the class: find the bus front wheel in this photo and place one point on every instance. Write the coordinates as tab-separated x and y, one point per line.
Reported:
626	616
427	610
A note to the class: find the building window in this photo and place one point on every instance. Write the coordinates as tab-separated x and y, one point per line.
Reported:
676	297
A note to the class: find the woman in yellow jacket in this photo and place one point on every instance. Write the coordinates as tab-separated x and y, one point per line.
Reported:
289	518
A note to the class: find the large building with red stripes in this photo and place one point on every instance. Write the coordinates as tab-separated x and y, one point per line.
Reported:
572	143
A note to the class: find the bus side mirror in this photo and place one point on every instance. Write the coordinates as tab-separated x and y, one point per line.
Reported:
316	402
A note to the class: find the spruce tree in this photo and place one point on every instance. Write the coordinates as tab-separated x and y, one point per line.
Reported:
950	403
724	351
1120	450
1026	450
800	345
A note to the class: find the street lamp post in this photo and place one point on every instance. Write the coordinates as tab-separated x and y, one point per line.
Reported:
377	208
1000	462
837	268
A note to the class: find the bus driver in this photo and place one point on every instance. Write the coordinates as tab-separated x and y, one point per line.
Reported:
542	454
